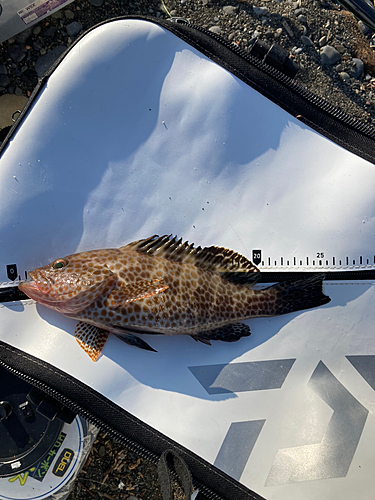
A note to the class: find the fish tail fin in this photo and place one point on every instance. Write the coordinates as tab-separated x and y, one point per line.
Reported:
298	294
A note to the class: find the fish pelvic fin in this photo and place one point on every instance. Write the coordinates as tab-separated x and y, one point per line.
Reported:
226	333
229	264
295	295
91	338
141	289
133	340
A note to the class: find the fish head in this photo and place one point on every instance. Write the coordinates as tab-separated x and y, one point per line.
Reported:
69	284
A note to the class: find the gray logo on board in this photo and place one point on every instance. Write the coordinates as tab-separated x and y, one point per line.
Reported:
330	458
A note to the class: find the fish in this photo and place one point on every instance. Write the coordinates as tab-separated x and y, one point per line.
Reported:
163	285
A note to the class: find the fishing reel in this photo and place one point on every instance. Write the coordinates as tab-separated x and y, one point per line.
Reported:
41	441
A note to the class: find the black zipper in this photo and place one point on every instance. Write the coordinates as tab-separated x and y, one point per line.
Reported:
285	80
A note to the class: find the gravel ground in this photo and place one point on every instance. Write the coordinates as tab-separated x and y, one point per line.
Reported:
335	56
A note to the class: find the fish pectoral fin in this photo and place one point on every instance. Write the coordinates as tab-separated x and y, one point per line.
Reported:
130	339
138	290
226	333
91	338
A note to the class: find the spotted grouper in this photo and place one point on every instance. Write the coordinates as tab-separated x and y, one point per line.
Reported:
162	285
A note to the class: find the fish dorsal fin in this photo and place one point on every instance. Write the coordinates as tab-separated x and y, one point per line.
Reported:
231	265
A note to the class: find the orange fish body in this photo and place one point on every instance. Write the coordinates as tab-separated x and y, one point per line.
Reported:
162	285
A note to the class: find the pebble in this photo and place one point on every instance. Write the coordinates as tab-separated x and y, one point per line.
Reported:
24	35
260	11
306	41
57	15
4	80
17	53
215	29
340	48
50	32
357	68
37	30
278	32
132	497
329	55
344	77
364	28
302	19
44	62
74	28
69	14
297	12
18	91
102	451
323	41
37	45
230	10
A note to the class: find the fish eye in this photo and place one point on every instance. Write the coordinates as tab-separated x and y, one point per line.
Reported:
60	263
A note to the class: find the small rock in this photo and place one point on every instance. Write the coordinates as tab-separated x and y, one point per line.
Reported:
339	67
30	77
306	41
50	32
298	51
329	55
323	41
3	70
4	80
278	32
364	28
24	35
229	10
215	29
37	30
230	37
18	91
42	51
74	28
57	15
287	28
344	77
357	68
45	62
256	33
96	3
297	12
37	45
340	48
69	14
132	497
216	19
260	11
102	451
17	53
302	19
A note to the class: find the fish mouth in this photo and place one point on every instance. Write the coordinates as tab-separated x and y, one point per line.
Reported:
35	285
